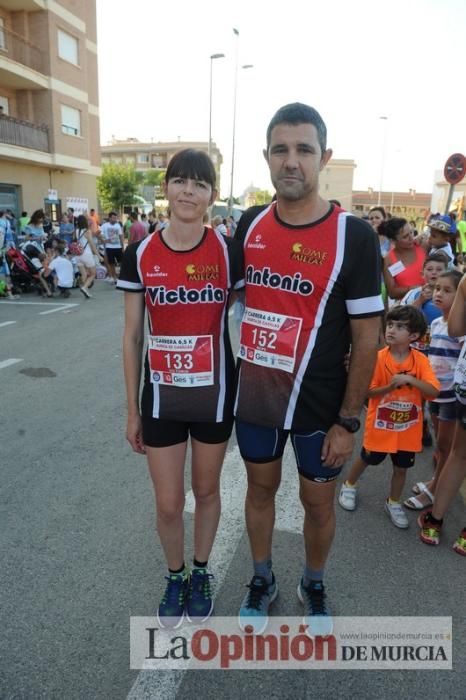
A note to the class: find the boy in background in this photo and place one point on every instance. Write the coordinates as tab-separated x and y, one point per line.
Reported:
421	298
402	377
442	234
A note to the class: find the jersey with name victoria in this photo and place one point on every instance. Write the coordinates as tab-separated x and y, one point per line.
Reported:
189	365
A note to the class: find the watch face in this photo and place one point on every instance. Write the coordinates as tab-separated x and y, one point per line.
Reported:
352	425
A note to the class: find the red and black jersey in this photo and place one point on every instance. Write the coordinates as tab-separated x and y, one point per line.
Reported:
303	285
189	366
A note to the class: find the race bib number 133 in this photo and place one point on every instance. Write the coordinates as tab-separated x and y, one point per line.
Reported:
184	361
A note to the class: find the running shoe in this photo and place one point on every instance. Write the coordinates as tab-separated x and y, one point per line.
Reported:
347	496
170	612
85	292
396	514
430	531
317	617
199	601
460	544
254	608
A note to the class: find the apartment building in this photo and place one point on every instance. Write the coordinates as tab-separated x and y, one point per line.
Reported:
49	116
154	155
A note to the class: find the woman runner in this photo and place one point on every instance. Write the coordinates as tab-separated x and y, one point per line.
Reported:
183	276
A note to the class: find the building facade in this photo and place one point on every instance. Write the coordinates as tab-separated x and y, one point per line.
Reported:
154	156
412	205
49	121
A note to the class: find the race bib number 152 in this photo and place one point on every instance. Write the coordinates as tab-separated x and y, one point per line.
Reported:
269	339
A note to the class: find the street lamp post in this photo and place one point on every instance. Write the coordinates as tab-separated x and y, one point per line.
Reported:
248	65
212	58
382	162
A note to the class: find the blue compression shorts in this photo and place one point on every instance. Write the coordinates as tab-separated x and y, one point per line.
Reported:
260	445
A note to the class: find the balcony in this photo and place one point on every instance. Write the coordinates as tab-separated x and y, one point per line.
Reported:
26	5
22	64
17	132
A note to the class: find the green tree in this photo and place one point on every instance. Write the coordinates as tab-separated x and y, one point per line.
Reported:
262	197
155	179
117	186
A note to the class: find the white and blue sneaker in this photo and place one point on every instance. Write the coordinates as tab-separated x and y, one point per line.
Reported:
317	617
254	608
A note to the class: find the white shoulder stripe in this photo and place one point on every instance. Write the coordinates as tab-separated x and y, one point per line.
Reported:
124	284
367	305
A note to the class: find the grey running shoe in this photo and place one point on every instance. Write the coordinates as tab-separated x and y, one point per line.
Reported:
317	617
254	608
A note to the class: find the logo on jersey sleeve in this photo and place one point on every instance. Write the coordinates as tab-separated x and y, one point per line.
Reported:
202	273
157	272
306	254
255	242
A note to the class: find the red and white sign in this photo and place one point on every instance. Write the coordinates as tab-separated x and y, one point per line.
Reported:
184	361
455	168
269	339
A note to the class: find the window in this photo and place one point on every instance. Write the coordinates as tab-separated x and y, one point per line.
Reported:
68	47
2	34
158	161
5	104
143	157
70	121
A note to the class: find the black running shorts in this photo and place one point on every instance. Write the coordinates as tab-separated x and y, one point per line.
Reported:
165	433
401	459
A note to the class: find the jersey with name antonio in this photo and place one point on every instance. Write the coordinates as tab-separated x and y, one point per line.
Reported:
303	285
189	366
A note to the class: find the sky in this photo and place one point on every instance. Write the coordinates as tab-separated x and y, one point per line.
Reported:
355	62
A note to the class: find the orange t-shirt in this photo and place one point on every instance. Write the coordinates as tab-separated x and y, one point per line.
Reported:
394	420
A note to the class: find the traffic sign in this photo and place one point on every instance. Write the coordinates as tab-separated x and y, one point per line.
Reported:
455	168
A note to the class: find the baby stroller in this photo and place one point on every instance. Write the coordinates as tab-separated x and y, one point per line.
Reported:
24	274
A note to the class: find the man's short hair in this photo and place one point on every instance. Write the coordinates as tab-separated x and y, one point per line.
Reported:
112	213
298	113
411	316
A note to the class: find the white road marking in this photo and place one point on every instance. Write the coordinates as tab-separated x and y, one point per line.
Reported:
7	323
63	307
33	303
289	518
11	361
164	684
60	305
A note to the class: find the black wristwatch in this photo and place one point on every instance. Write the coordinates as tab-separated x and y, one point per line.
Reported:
352	425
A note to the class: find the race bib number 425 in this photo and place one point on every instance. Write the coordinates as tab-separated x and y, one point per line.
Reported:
269	339
184	361
397	415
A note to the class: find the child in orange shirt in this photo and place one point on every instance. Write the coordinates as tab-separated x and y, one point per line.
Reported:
402	378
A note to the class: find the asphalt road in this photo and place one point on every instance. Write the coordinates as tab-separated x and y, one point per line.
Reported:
79	554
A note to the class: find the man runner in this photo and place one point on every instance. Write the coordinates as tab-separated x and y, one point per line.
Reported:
312	290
